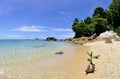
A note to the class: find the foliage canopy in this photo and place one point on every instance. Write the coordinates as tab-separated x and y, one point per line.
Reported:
101	21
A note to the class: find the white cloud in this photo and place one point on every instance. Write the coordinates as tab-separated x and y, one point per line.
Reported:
62	12
65	16
25	28
62	30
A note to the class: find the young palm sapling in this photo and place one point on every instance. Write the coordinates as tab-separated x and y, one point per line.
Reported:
91	66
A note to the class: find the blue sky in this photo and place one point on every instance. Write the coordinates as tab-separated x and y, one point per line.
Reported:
28	19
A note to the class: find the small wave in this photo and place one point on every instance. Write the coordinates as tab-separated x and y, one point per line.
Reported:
2	72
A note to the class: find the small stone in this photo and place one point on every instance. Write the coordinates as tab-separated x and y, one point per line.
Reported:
59	53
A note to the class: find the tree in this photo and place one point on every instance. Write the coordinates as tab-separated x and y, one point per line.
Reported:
101	21
100	25
81	29
99	11
108	17
75	25
78	28
114	9
88	20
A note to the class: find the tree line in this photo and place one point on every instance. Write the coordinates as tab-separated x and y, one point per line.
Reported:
101	21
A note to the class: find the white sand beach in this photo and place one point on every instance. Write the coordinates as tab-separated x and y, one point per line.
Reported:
72	65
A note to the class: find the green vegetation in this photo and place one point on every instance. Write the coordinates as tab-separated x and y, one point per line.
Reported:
101	21
92	57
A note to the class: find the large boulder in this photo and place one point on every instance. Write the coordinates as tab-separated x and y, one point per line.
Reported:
108	34
51	39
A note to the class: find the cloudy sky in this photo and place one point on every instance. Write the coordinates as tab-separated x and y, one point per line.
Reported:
27	19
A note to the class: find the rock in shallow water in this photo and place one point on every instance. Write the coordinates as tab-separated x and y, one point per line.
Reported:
51	39
59	53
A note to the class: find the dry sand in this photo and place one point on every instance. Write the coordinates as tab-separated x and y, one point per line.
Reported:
72	65
108	66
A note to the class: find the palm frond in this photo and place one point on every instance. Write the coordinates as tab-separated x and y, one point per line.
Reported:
90	54
96	57
89	60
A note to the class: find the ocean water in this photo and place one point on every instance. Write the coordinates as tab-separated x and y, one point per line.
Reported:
13	52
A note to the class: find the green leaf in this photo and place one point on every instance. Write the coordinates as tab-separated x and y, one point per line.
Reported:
89	60
96	57
90	54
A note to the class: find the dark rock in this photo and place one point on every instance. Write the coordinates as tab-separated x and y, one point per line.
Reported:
61	39
93	36
68	39
59	53
36	38
51	39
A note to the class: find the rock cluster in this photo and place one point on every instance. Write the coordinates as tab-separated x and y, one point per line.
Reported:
105	36
51	39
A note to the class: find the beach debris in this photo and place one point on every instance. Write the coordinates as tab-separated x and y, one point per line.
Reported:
108	40
91	66
59	53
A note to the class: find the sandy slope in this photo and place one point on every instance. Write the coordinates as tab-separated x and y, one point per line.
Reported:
72	65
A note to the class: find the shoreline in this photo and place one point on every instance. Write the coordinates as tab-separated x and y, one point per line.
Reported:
58	67
72	65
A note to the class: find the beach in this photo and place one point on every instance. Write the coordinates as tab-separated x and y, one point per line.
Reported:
72	65
59	39
107	67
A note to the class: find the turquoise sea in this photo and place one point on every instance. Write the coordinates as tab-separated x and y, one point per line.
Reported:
15	52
